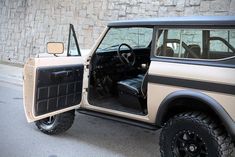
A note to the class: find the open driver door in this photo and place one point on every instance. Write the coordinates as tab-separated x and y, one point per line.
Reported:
54	85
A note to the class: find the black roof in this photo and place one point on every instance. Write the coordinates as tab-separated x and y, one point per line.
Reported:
178	21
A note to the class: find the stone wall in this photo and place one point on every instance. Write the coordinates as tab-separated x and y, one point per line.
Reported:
27	25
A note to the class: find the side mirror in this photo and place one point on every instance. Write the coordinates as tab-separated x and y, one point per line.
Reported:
55	48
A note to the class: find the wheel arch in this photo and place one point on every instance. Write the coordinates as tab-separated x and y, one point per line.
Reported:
178	102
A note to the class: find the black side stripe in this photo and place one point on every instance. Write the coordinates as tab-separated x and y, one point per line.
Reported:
201	85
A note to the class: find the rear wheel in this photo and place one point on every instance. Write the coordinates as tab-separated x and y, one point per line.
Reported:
56	124
194	135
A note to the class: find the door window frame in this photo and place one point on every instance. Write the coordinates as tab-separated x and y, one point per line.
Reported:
73	34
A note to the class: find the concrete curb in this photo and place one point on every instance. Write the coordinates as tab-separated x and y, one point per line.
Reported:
13	72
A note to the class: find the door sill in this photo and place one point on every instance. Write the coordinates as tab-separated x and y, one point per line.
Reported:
119	119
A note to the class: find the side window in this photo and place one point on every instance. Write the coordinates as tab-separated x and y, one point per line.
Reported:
196	43
180	43
221	43
73	48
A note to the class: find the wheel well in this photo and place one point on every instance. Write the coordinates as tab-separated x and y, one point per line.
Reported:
188	101
180	105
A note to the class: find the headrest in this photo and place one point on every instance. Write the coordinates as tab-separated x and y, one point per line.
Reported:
169	52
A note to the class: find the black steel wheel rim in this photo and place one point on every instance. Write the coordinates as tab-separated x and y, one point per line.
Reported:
188	144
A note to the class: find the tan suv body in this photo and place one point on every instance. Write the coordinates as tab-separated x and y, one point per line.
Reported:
172	73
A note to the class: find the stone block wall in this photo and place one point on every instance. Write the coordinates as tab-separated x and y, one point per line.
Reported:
27	25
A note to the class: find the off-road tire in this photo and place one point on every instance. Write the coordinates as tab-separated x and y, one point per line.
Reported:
217	141
61	123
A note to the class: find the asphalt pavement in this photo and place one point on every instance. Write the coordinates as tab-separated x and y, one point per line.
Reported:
88	137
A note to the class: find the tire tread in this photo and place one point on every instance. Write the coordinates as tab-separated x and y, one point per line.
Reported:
63	123
217	132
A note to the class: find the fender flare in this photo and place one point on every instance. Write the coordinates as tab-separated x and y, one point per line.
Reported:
227	121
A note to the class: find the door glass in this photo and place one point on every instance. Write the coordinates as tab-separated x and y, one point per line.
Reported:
73	48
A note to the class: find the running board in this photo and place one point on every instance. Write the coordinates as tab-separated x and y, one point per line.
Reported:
118	119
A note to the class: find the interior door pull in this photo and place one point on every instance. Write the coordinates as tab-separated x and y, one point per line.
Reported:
59	74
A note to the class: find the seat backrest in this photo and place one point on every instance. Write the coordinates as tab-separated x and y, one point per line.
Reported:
196	49
144	85
169	52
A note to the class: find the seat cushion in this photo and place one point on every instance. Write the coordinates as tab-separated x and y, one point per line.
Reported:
129	92
130	86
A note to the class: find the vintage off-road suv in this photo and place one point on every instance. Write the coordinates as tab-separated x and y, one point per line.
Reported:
177	74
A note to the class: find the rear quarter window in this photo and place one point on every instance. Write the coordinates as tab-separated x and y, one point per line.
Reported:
221	44
196	43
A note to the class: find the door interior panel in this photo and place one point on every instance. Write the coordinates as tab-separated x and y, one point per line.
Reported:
58	88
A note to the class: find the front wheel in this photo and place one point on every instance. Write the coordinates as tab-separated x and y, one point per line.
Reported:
56	124
194	135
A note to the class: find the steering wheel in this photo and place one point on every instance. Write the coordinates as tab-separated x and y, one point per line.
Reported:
126	57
